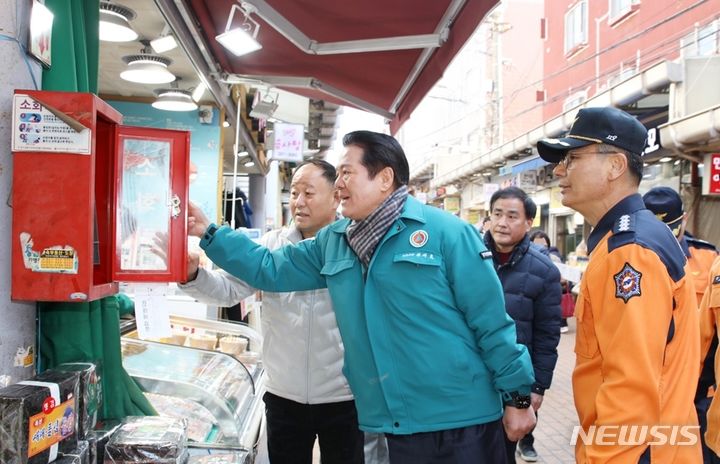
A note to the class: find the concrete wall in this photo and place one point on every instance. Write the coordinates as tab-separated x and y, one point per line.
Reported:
17	320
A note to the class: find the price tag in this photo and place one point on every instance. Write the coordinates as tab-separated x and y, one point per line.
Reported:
151	312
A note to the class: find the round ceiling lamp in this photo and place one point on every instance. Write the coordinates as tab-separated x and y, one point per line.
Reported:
174	100
147	69
115	23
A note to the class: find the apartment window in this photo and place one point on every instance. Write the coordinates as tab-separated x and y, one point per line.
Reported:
574	100
576	27
702	42
619	9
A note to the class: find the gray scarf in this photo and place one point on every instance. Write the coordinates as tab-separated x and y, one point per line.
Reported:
364	236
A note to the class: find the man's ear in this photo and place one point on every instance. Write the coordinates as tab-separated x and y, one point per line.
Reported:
618	165
387	178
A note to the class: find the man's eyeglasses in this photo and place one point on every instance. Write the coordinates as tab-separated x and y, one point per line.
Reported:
570	158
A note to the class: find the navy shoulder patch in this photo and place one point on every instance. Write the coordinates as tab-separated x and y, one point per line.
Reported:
487	254
627	283
625	223
716	280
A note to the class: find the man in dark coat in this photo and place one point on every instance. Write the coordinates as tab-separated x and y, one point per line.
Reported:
531	283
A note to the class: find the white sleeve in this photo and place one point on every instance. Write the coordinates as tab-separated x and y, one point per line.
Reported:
217	288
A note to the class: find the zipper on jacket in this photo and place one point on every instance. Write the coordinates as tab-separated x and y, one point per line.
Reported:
311	315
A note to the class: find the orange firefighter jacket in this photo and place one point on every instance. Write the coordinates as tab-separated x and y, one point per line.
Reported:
710	313
637	347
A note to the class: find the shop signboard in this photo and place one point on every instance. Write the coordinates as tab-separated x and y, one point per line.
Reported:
288	143
451	204
711	177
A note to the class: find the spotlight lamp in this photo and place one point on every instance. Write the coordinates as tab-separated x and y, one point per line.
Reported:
242	39
115	23
164	43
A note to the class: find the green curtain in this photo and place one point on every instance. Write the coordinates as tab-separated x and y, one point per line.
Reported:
75	46
84	332
90	332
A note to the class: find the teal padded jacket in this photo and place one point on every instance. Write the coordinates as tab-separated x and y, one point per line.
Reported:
428	344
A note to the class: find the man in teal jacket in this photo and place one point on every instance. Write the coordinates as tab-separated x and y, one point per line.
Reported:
430	353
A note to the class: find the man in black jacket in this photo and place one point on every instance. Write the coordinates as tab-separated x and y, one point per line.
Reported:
532	293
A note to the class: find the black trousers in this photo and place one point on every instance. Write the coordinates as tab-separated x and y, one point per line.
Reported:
292	428
476	444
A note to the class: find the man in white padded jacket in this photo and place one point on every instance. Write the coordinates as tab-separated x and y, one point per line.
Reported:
307	394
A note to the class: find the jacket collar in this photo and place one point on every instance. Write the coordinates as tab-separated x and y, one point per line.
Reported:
626	206
518	251
291	233
684	245
412	210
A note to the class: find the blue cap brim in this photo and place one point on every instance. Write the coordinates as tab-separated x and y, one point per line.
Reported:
554	150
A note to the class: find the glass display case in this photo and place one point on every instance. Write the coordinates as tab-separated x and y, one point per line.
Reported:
219	393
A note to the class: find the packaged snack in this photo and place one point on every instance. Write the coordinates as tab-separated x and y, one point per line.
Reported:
38	418
146	440
90	394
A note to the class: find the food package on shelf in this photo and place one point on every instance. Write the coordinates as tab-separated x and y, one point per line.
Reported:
153	439
81	455
199	420
90	398
38	418
99	437
223	457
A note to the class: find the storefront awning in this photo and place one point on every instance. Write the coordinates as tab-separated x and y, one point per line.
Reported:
390	82
698	132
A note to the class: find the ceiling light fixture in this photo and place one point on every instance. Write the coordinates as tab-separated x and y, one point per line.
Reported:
241	40
165	42
115	23
145	68
174	99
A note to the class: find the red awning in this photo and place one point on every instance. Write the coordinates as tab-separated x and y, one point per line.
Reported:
391	83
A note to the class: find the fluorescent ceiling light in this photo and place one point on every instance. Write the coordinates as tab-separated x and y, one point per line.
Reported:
163	44
240	154
249	164
226	124
147	69
174	100
240	40
665	159
115	23
199	91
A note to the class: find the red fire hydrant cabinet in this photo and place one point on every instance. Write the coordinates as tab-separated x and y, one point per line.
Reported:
92	200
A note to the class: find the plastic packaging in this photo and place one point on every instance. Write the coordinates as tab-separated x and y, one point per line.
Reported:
81	455
38	418
156	440
90	394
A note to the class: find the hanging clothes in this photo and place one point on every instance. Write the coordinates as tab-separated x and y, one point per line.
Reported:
243	212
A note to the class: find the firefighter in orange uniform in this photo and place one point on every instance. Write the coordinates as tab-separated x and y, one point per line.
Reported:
710	310
637	350
667	206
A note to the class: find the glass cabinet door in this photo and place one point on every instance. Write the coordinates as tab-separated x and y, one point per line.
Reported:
151	205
